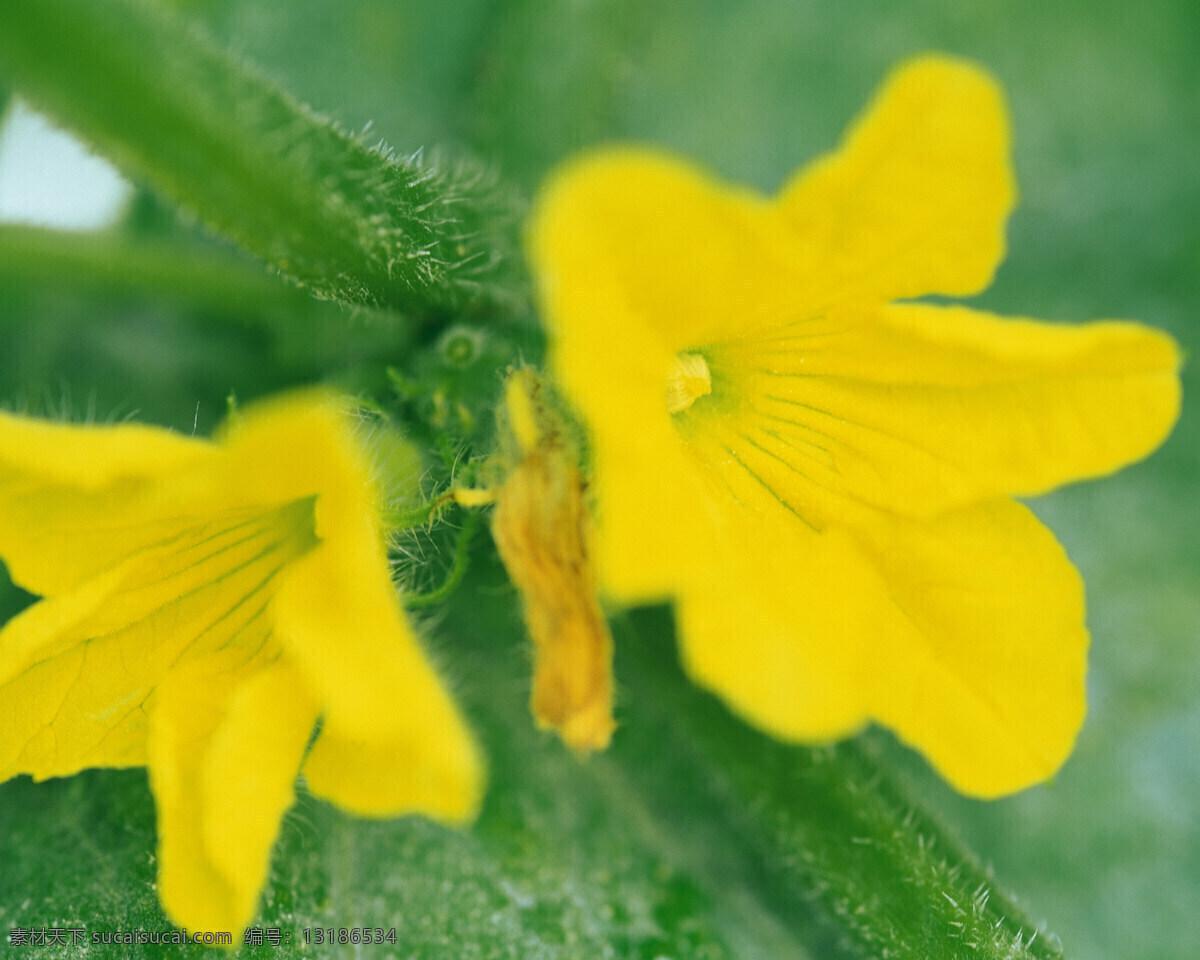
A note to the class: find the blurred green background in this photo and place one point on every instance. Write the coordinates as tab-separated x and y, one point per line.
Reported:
1105	99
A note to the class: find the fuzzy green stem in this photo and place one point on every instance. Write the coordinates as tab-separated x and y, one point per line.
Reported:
408	518
458	567
348	221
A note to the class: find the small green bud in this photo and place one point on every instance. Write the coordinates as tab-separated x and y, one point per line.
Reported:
461	346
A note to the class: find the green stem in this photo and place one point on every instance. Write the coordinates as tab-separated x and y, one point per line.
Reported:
407	518
458	568
350	222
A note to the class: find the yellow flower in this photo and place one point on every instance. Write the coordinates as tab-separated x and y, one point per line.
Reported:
203	606
820	477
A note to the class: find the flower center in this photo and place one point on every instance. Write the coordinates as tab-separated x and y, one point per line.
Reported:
688	380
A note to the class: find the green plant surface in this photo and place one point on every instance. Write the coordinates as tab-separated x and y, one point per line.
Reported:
693	837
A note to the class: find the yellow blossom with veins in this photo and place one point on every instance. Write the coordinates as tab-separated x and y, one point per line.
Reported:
821	477
203	606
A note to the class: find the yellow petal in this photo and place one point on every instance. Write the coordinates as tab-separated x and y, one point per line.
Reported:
780	628
988	679
652	510
223	756
89	457
664	243
299	445
75	499
393	741
252	762
916	198
920	409
79	673
429	765
964	635
191	888
639	257
339	617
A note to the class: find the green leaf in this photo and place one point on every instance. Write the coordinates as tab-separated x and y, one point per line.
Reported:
693	837
349	221
831	827
556	866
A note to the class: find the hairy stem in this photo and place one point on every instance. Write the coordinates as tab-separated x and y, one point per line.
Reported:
349	221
